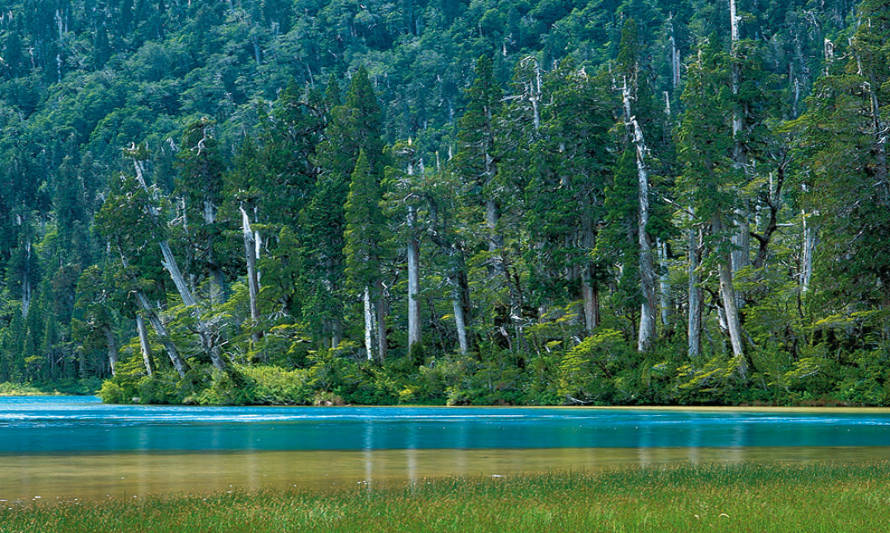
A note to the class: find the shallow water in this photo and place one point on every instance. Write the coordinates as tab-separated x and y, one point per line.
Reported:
129	475
76	447
84	425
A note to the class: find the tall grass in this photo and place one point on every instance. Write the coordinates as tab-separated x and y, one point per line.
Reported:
813	498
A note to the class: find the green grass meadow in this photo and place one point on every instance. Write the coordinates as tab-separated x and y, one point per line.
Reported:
813	498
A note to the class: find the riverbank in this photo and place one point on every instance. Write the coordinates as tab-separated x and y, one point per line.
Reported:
459	382
772	497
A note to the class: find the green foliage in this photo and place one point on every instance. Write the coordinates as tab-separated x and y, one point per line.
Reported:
588	371
152	150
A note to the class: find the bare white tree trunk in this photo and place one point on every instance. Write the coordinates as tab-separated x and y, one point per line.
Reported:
647	269
369	323
159	327
208	340
809	248
693	330
381	322
414	336
675	56
26	280
664	285
733	22
111	345
172	268
143	344
728	298
252	285
461	325
741	239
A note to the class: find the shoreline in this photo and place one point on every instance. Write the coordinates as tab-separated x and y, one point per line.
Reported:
652	407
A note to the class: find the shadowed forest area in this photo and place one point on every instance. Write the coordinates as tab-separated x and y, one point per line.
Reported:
461	202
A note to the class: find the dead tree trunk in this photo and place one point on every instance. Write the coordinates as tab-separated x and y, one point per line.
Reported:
381	322
111	345
809	248
694	296
169	263
664	284
369	323
728	298
178	362
740	255
143	345
647	269
414	335
252	284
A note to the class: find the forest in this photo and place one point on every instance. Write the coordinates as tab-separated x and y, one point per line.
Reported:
452	202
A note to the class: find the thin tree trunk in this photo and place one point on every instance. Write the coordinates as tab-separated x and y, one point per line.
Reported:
218	281
381	322
495	243
111	345
461	324
252	285
589	290
675	56
369	323
172	268
172	352
414	335
591	303
809	248
728	298
336	333
694	293
26	280
143	344
647	269
664	285
169	263
741	240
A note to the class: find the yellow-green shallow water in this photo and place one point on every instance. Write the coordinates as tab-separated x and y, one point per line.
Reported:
128	475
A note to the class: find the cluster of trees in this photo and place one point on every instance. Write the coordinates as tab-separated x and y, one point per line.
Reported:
540	202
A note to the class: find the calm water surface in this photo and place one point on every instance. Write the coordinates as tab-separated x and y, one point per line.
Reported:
65	447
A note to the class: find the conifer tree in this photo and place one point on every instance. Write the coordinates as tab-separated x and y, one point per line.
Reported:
710	181
351	127
363	250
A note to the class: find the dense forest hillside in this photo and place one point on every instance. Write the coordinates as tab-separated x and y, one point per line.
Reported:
430	201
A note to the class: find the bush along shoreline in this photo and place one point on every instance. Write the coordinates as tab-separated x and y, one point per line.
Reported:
600	370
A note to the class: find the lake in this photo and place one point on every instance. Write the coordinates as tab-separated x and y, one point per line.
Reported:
76	447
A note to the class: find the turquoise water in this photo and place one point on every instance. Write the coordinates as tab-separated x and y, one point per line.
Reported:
71	425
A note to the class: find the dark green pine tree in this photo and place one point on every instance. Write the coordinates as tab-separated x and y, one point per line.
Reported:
710	181
843	153
363	250
352	127
564	197
475	165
